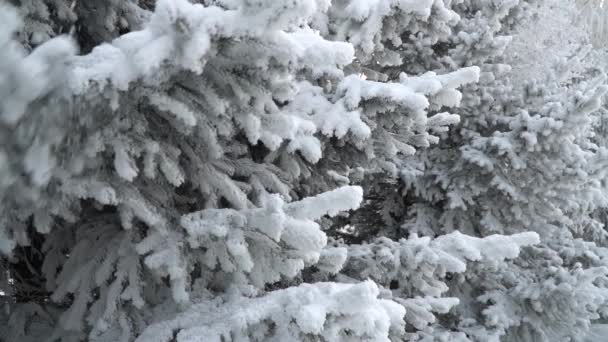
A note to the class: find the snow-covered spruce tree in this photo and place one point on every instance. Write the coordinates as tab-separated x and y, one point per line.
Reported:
522	158
159	186
440	36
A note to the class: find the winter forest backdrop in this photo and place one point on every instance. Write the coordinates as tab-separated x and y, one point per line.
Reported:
303	170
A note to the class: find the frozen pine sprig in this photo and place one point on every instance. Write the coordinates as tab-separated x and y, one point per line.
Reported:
265	244
493	248
416	269
329	203
114	270
404	112
309	312
558	302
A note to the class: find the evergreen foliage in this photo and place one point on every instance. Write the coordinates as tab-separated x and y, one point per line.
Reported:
303	170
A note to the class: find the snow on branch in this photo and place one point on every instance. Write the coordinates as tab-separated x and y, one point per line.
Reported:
416	268
327	311
265	244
